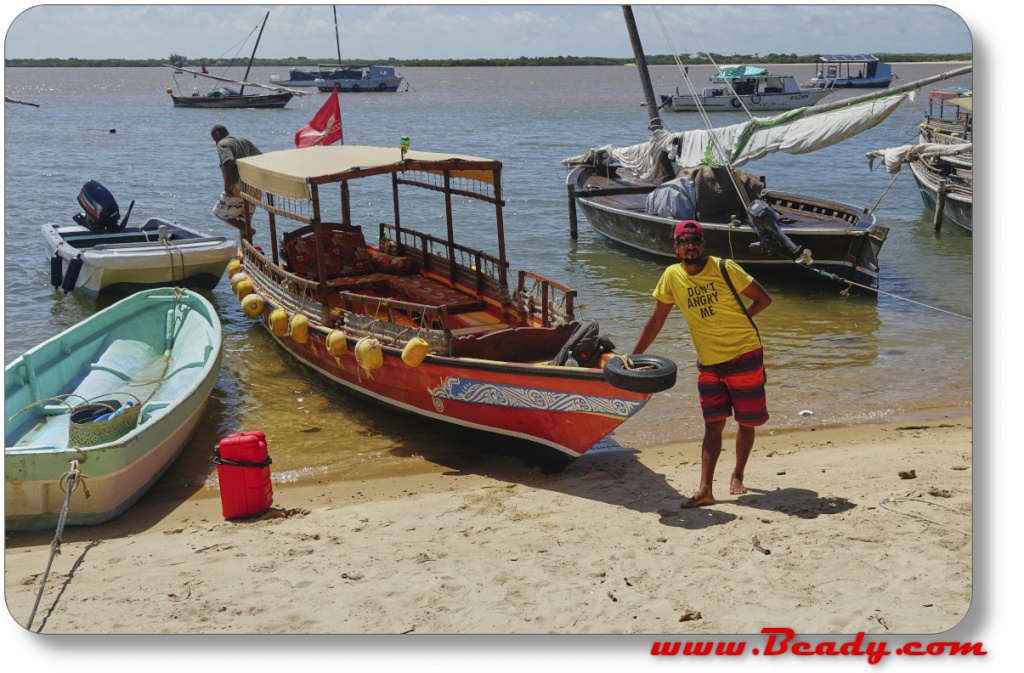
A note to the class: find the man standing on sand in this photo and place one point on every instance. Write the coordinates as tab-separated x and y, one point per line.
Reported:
230	207
730	357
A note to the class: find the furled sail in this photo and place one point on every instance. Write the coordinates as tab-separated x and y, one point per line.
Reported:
895	157
792	132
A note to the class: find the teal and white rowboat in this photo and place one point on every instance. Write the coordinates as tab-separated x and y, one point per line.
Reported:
160	349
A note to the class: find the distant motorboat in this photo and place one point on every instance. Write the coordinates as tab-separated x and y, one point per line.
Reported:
345	78
360	79
748	87
837	72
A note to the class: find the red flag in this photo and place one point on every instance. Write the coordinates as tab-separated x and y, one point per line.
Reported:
325	126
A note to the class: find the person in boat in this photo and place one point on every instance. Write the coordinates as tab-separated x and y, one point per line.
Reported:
230	206
730	364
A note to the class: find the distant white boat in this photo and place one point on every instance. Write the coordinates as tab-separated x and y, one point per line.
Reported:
748	87
348	78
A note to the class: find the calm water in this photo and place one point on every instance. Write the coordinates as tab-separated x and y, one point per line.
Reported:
847	360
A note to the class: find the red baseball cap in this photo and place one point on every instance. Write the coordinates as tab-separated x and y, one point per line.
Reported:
688	227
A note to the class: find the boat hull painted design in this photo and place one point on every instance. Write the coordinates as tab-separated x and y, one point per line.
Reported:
564	408
135	258
843	240
161	347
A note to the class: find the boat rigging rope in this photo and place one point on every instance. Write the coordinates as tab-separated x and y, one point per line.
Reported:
886	190
685	74
700	106
73	478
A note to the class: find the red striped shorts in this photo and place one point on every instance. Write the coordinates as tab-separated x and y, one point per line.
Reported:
734	386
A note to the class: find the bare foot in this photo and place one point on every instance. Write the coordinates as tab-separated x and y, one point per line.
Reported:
736	487
698	500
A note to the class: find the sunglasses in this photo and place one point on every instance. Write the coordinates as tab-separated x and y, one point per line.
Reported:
695	240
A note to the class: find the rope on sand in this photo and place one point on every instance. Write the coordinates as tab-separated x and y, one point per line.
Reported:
882	504
73	478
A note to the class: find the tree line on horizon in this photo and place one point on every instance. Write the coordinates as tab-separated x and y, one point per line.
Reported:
300	62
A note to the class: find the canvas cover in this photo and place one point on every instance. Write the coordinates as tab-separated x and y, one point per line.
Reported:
794	132
288	172
895	157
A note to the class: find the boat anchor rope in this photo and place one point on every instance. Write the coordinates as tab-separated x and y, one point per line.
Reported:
72	478
849	283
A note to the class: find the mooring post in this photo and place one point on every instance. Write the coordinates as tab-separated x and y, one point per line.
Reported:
940	206
572	211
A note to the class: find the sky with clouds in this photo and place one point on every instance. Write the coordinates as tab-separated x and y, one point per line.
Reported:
376	32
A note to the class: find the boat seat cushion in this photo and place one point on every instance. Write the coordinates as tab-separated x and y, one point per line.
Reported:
425	291
345	254
367	281
398	266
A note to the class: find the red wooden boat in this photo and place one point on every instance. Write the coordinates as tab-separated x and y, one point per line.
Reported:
418	321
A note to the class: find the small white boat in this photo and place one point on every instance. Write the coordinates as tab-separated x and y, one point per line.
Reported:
155	356
100	252
755	89
360	78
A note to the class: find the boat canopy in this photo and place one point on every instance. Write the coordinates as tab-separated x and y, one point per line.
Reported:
966	102
740	72
290	173
851	58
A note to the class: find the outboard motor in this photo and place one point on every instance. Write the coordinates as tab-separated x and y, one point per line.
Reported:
99	209
765	223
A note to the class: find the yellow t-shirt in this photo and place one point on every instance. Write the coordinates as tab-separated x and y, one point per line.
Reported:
720	329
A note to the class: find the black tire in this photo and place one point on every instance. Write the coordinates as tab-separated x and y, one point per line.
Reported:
755	99
736	103
382	86
650	374
355	88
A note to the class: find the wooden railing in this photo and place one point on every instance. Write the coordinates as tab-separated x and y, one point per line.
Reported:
474	268
543	301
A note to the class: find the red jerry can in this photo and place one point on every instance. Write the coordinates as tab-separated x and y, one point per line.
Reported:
243	468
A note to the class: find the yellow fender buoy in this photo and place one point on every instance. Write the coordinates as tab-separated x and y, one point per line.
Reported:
236	279
337	344
299	328
415	351
234	266
244	288
278	322
252	305
369	355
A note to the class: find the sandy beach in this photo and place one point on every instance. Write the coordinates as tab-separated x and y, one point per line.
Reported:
844	530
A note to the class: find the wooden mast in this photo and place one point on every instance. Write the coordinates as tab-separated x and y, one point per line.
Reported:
337	40
641	64
253	56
